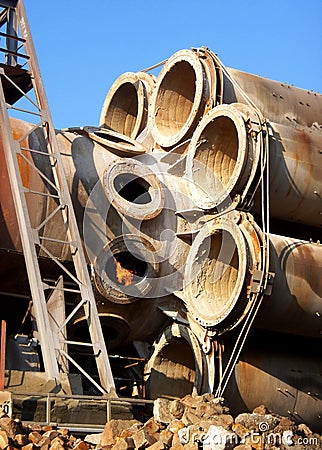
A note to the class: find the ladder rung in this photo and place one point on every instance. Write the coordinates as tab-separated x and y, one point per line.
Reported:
39	152
27	111
58	241
11	36
20	55
55	288
30	191
83	344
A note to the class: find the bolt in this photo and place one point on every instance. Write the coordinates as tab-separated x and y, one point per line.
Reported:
318	314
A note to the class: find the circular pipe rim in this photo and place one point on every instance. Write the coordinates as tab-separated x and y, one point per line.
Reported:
170	335
200	194
132	167
212	318
116	142
134	80
128	294
190	57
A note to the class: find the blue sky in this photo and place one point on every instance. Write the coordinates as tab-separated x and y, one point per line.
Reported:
82	47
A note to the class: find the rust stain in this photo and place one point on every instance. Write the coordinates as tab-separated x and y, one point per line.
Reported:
124	276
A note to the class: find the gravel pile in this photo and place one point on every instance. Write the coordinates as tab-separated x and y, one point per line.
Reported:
201	422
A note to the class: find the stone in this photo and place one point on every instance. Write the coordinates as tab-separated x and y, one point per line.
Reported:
10	426
240	430
28	447
43	441
157	446
191	446
261	409
257	422
218	438
124	444
34	437
151	426
175	425
4	440
176	443
166	437
189	418
114	428
51	434
56	446
304	429
176	409
161	410
143	439
94	438
80	445
128	432
243	447
58	439
223	420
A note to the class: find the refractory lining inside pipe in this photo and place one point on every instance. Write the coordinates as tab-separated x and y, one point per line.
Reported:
217	278
174	371
175	99
124	268
132	188
123	110
216	155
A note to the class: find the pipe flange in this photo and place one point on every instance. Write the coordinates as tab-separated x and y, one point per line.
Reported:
125	106
159	384
179	98
218	266
219	160
133	189
115	142
125	269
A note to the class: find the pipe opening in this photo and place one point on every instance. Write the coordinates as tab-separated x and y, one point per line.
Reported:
216	152
122	112
132	188
173	373
175	99
109	137
218	276
124	268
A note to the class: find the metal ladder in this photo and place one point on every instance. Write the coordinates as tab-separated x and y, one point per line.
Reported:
16	79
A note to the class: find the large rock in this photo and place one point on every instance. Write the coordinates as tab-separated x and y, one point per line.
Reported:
143	439
257	422
161	410
114	428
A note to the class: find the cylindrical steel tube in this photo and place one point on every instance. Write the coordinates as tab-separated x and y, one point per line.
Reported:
176	366
84	163
179	98
223	264
283	373
224	159
125	108
278	102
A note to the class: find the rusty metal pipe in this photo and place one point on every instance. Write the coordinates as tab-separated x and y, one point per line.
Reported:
224	160
179	98
278	102
223	264
283	373
176	365
125	108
